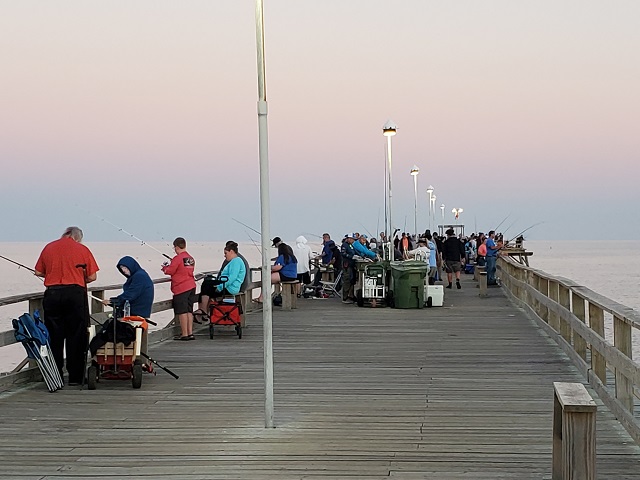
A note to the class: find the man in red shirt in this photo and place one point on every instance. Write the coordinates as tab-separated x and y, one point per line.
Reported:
183	287
67	266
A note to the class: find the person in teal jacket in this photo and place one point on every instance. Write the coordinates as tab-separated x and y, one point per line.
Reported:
235	272
361	249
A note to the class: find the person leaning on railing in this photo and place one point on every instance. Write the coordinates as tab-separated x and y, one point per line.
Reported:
67	267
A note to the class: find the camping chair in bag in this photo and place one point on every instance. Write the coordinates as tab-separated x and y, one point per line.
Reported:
331	288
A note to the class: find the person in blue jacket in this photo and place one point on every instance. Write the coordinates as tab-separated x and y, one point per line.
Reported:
234	272
138	288
361	249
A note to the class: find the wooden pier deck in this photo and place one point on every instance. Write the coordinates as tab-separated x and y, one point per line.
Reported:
458	392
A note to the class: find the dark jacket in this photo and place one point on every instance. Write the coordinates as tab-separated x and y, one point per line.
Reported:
138	288
327	251
452	249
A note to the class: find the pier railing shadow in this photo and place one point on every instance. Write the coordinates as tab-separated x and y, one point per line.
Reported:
27	371
596	332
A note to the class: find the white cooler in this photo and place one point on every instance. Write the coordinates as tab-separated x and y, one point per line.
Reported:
436	293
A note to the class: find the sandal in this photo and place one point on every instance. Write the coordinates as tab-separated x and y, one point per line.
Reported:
191	337
180	337
200	313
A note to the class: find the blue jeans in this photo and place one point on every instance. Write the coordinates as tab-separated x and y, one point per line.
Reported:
491	269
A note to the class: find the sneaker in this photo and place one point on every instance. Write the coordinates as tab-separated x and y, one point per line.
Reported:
348	301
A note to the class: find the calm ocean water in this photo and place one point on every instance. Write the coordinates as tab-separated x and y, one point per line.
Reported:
609	268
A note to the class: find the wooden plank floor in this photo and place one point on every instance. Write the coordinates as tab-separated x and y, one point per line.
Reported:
458	392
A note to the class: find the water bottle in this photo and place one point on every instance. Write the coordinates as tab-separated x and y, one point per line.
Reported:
127	309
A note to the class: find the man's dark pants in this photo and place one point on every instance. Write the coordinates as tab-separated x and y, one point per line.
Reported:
66	318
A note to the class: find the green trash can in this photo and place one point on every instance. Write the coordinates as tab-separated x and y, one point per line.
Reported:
407	284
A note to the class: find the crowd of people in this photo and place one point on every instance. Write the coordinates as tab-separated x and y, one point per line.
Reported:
68	266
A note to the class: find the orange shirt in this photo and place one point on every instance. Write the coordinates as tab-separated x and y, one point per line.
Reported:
58	262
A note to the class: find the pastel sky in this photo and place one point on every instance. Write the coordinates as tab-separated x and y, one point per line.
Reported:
144	113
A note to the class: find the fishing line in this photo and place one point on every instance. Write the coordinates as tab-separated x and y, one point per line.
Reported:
254	242
525	230
505	218
120	229
247	226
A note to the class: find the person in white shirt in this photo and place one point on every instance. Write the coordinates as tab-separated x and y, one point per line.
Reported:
302	251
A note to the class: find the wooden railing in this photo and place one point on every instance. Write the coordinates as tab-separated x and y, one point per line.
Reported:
24	371
577	319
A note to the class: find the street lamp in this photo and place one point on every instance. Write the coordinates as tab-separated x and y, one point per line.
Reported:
414	173
433	207
456	213
389	130
442	210
263	147
430	192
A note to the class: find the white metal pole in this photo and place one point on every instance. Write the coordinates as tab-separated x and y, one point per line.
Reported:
415	205
265	220
390	239
430	193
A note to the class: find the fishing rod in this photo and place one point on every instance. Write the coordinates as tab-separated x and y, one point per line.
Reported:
247	226
158	365
254	242
312	234
505	218
525	230
512	224
120	229
18	264
367	230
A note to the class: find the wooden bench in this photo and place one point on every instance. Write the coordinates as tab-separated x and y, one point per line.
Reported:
289	292
574	433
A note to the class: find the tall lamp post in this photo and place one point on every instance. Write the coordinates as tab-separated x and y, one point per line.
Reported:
267	314
414	173
442	211
430	192
432	207
389	130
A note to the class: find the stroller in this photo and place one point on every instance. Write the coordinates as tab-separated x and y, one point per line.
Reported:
225	312
117	350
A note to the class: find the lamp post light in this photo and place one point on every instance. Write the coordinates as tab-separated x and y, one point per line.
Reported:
430	192
442	210
267	314
414	173
433	207
456	213
389	130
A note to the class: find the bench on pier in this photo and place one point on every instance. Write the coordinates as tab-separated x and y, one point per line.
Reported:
289	292
574	433
481	273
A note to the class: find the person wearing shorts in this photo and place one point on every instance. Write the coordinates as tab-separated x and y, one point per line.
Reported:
285	268
454	256
183	287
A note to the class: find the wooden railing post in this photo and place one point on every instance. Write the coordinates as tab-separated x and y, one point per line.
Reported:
554	319
579	345
96	306
622	341
564	300
543	287
598	361
574	433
